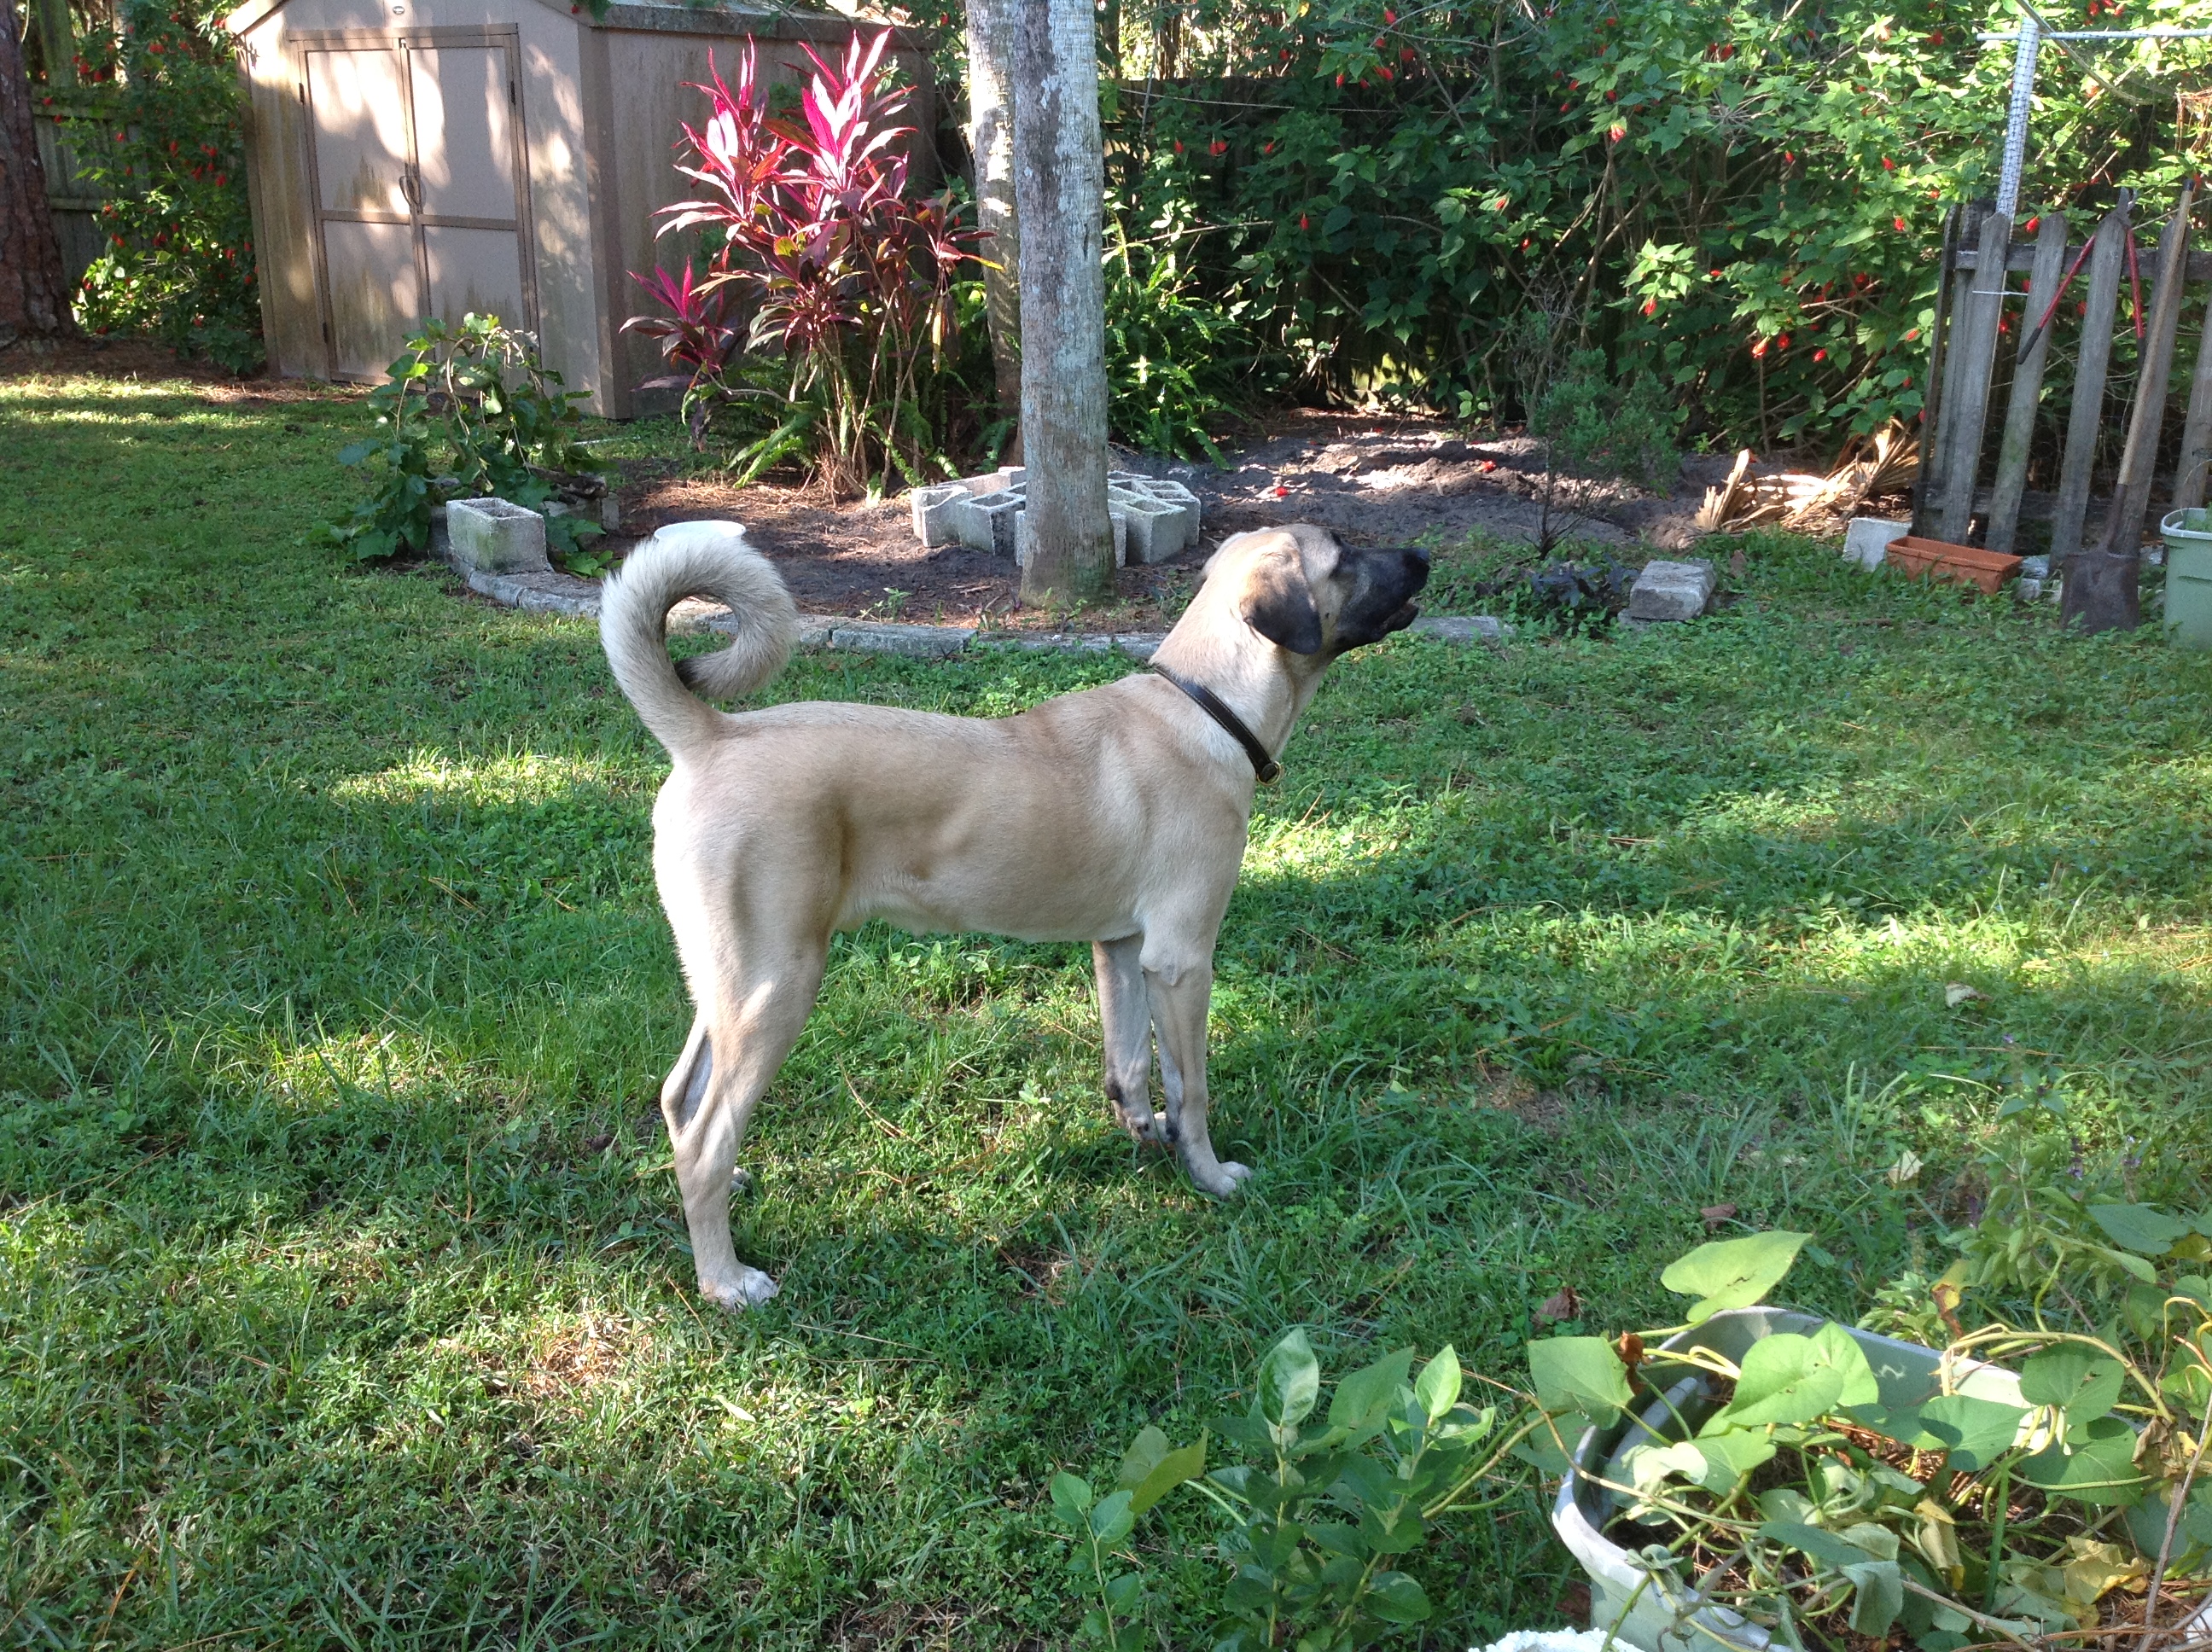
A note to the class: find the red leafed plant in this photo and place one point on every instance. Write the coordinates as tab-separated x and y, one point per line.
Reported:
821	270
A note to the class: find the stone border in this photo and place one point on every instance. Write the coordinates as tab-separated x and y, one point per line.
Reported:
573	599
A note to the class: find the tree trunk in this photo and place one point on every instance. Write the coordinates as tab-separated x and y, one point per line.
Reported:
57	42
1060	187
991	138
33	292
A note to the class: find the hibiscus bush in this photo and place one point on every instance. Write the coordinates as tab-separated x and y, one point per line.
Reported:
1747	198
163	125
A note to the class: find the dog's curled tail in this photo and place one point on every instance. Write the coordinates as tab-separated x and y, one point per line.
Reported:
700	559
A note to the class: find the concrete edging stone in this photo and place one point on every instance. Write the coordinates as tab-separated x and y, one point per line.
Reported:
551	592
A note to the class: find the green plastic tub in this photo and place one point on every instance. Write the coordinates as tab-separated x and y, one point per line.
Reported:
2188	536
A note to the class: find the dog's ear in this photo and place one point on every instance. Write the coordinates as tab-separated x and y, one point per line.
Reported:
1277	605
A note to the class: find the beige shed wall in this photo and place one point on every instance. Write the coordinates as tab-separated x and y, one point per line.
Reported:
602	108
569	285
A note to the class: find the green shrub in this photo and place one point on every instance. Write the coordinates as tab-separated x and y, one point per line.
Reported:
1744	199
163	130
470	412
1178	358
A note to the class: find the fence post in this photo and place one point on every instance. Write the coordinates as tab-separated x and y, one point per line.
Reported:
2027	385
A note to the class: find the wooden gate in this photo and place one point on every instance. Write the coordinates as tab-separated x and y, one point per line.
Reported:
417	162
2075	285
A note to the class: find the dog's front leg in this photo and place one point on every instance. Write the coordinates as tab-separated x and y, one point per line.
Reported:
1126	1016
1181	988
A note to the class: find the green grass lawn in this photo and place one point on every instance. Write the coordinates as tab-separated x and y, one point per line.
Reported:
343	1299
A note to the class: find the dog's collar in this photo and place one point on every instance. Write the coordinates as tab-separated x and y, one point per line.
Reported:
1212	705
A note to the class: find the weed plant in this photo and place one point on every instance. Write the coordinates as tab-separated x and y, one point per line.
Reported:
343	1299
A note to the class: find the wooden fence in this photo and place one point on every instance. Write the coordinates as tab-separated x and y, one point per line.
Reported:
2075	286
74	125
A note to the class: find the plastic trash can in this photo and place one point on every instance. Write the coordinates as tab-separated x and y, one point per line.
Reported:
2188	536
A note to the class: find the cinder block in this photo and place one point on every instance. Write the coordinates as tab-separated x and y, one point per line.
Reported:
1174	493
934	509
495	537
1153	530
1865	540
1120	539
1672	590
986	521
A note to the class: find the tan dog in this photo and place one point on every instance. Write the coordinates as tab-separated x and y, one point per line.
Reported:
1115	816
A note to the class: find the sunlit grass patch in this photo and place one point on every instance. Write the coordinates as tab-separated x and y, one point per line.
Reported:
507	778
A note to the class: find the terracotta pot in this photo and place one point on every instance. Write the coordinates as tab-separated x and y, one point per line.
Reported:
1936	558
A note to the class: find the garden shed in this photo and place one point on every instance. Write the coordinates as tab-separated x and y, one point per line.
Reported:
435	157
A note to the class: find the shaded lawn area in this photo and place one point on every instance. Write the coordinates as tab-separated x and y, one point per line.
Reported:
342	1297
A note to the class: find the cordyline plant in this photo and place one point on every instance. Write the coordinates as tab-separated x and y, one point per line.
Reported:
820	262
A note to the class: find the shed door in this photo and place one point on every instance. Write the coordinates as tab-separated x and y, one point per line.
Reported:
420	181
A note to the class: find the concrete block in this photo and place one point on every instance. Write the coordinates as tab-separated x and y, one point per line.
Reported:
493	536
1152	529
1460	628
1866	541
1174	493
985	522
933	512
915	642
1672	590
2035	567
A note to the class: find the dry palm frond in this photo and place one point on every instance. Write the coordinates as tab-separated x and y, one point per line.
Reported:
1795	499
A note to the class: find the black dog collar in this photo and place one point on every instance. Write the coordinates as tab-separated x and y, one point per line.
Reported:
1212	704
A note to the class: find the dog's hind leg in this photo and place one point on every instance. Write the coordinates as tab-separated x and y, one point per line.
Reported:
1180	984
745	1029
1125	1012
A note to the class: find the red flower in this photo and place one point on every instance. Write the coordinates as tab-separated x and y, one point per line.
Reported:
1613	97
1650	307
1760	349
1281	492
1616	131
1339	78
1216	147
1819	355
1268	147
1388	16
1788	159
1384	71
1303	223
1888	165
1178	144
1899	222
2030	225
1783	342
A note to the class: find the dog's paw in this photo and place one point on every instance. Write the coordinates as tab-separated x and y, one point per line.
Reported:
749	1289
1146	1129
1228	1179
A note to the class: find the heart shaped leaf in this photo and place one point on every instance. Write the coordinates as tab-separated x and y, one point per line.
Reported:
1733	1272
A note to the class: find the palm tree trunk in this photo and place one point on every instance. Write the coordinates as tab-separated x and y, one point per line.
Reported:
33	291
991	138
1060	184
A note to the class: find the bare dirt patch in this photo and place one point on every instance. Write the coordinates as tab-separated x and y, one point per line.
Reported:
1370	479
